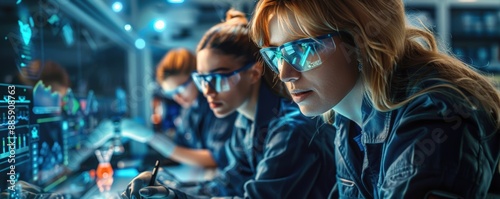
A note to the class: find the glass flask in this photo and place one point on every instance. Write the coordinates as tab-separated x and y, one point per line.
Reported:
104	171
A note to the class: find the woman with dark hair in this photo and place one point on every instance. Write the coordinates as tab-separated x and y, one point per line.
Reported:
274	152
412	122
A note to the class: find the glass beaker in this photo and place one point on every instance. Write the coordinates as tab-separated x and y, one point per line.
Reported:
104	171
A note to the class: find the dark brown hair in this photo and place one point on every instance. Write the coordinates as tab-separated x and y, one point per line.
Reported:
231	38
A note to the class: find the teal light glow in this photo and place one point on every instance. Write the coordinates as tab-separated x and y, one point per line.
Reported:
25	30
65	125
126	172
117	6
140	43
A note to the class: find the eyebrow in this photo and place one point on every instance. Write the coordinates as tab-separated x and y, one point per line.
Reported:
219	69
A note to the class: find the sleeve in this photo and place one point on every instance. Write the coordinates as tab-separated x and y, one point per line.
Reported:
220	131
289	167
187	127
229	182
180	140
182	195
441	146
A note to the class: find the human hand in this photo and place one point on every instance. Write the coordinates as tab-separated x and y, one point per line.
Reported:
138	188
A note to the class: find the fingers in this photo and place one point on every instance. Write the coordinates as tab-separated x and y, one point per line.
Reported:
154	192
132	191
128	194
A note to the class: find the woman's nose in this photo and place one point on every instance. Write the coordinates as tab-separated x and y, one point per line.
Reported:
208	90
288	73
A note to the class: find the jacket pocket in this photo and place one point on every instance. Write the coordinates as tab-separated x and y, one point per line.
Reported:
347	188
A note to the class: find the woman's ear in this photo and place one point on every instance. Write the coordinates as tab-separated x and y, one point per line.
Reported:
256	72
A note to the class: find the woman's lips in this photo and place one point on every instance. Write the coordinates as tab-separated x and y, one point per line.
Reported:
214	105
299	96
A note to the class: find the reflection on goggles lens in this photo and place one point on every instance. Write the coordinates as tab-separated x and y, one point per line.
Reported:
219	82
180	89
302	54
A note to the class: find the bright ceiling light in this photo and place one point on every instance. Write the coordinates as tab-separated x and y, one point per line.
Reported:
159	25
176	1
127	27
117	6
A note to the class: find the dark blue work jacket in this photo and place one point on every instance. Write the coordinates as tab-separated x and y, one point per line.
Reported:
434	144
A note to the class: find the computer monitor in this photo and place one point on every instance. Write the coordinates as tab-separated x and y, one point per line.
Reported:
80	119
39	131
49	165
18	136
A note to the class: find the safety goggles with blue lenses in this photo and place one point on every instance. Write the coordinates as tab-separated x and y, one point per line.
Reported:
302	54
220	82
179	89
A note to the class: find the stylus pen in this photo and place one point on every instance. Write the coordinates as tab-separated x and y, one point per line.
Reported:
155	171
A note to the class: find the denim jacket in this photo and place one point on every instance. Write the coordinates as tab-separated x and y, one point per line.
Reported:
433	143
282	154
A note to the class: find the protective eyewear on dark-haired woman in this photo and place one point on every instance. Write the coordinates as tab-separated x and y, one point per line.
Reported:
220	82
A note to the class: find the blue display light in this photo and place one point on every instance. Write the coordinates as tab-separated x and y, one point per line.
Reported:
140	43
117	6
176	1
65	125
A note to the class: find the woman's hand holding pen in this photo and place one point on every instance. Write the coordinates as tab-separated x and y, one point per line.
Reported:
141	186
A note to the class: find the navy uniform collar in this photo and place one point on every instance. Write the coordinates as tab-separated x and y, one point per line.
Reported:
376	124
268	107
